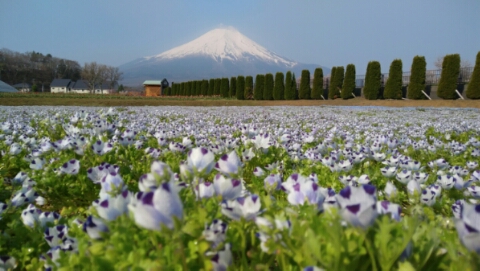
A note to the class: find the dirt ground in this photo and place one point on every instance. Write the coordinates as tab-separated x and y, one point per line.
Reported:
231	102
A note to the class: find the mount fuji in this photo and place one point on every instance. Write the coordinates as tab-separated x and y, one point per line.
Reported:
222	52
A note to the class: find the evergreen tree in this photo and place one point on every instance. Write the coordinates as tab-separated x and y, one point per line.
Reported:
449	78
240	88
204	87
336	82
393	87
289	92
317	90
211	87
268	89
233	87
279	88
371	91
224	87
473	90
249	88
172	88
348	82
182	89
218	83
417	78
198	88
304	92
331	85
295	87
259	86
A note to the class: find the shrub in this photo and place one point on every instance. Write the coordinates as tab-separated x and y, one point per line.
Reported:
294	86
317	89
304	92
473	90
289	91
337	83
259	85
249	88
331	86
393	88
218	83
371	91
279	88
240	88
348	82
233	87
449	77
268	88
224	87
211	87
204	87
417	78
198	87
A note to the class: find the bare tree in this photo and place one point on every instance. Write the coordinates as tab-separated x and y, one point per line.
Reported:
113	75
94	74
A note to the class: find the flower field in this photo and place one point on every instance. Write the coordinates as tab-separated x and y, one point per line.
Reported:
239	188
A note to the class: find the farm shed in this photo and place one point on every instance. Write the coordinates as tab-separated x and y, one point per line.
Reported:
154	88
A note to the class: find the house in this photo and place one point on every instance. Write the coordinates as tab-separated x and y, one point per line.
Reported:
60	85
23	87
4	87
81	86
104	88
153	88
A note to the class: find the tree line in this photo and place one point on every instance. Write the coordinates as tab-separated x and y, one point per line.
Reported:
340	84
40	70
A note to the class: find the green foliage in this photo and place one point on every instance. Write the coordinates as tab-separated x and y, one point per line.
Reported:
295	87
317	90
268	88
35	88
198	87
211	87
120	88
259	86
279	88
336	82
449	78
248	88
393	87
349	82
240	88
204	87
331	86
233	87
304	92
473	90
218	83
371	90
417	78
224	88
289	90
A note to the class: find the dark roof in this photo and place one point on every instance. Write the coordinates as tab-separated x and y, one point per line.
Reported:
4	87
60	83
22	85
80	84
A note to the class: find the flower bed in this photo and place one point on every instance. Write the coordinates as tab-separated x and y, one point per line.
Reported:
240	188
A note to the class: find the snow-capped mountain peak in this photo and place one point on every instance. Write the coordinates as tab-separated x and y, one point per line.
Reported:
223	44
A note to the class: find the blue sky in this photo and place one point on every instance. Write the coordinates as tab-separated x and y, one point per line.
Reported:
324	32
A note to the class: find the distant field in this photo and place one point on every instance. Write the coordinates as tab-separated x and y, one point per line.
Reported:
16	99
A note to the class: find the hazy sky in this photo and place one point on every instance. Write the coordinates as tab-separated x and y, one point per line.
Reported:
324	32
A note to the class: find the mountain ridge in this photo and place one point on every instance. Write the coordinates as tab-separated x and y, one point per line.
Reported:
221	52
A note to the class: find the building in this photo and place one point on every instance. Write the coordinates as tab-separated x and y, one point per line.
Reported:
23	87
153	88
61	85
4	87
80	86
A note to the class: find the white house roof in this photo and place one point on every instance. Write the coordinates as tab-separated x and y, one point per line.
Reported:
4	87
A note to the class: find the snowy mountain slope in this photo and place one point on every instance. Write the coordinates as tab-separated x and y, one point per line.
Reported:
222	52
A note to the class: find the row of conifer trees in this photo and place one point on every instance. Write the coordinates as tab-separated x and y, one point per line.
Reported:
341	83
